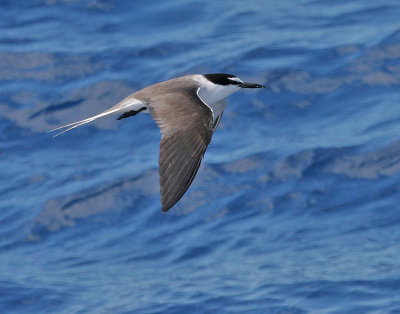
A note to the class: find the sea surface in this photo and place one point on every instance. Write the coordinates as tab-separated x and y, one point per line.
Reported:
296	207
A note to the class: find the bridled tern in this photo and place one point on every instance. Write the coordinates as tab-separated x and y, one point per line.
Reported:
187	110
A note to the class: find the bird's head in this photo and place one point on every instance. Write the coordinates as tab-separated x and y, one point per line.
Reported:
229	80
217	86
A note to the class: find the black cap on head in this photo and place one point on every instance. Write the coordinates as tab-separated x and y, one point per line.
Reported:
222	79
229	79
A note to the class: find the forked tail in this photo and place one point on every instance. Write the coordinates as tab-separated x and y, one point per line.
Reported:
79	123
128	103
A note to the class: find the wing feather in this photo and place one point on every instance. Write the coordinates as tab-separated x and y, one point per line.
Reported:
186	125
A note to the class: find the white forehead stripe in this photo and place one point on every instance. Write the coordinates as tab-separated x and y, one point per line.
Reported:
236	79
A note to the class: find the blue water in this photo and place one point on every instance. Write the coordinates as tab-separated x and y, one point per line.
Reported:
295	208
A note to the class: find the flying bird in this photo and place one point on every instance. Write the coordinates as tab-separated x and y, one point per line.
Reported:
187	110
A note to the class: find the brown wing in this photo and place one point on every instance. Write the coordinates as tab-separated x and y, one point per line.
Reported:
186	126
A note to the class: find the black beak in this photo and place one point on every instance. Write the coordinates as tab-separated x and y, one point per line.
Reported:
250	85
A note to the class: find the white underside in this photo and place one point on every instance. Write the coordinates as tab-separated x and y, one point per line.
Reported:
216	108
214	95
134	104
